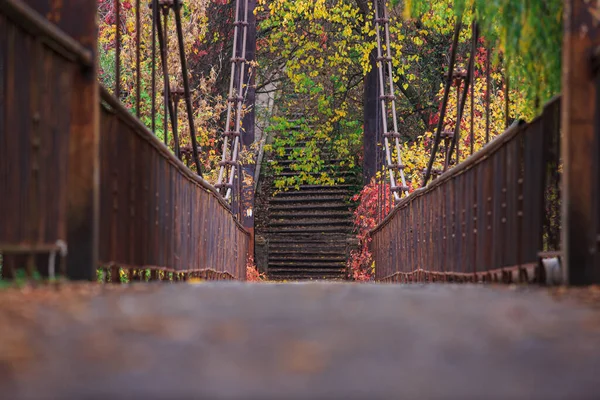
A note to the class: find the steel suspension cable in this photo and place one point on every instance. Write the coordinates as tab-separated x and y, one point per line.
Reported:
383	23
229	165
186	87
154	5
463	100
440	125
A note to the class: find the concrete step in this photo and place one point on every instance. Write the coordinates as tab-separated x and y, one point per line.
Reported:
307	271
309	199
338	253
310	222
320	206
307	257
306	264
345	186
311	214
309	278
306	229
349	176
284	161
314	192
317	240
308	248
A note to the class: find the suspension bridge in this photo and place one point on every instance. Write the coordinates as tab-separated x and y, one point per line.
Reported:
90	192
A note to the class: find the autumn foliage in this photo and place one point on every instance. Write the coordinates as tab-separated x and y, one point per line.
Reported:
366	216
252	273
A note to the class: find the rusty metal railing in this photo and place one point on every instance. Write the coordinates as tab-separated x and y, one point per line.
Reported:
156	213
139	208
489	218
39	65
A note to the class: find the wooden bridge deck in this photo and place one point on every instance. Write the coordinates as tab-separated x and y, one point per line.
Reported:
313	340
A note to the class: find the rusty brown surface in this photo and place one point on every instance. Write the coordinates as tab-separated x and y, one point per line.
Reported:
40	110
493	212
156	213
299	341
582	34
77	18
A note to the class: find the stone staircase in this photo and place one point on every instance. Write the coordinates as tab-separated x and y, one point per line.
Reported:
304	233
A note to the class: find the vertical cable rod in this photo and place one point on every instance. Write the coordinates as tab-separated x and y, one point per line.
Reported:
186	88
440	125
229	163
154	6
488	87
383	23
138	76
117	49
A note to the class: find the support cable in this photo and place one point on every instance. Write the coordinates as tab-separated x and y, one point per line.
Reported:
229	164
463	99
385	98
438	133
186	87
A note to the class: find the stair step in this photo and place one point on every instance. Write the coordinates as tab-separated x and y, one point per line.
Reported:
329	161
309	199
307	248
344	215
302	263
307	270
327	187
314	192
307	275
303	251
336	174
277	257
320	206
310	222
308	252
302	278
324	239
310	229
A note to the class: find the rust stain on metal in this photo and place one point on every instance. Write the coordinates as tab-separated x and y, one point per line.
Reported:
486	220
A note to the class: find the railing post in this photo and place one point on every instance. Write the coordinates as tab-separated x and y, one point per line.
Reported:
582	33
77	18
